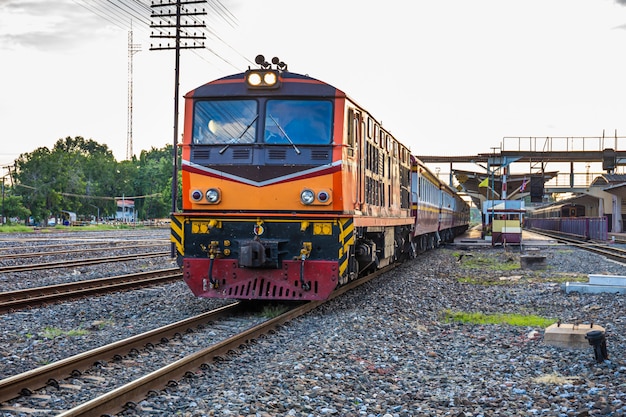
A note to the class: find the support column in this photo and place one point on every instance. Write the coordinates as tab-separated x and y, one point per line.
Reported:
617	214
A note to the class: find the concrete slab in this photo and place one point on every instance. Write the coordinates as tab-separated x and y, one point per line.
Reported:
534	261
586	288
569	335
599	279
598	283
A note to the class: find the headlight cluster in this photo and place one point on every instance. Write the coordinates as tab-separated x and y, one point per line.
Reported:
262	78
309	197
212	195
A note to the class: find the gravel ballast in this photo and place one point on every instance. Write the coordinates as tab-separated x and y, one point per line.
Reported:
384	349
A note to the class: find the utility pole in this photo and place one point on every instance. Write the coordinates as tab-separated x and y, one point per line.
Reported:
3	212
4	192
165	12
133	48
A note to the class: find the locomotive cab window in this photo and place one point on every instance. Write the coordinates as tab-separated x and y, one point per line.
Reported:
301	122
225	121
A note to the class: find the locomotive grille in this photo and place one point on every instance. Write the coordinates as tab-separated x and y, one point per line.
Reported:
319	155
277	154
241	153
260	289
201	153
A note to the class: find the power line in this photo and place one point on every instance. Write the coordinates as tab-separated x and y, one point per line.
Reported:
121	12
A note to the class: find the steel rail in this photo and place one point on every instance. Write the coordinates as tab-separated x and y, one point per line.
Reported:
26	382
64	252
613	253
29	297
84	262
115	400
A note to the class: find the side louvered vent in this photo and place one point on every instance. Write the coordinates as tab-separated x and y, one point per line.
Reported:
201	153
319	155
277	154
241	154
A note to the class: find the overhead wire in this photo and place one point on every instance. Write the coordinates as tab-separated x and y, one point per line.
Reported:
120	13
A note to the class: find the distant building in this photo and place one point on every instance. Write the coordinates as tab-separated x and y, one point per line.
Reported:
125	210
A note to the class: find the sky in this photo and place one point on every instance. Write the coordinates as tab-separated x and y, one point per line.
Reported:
445	77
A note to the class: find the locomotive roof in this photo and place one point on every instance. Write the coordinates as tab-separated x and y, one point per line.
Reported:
291	84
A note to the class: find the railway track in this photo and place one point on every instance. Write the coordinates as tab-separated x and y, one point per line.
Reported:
611	252
124	396
65	251
80	262
35	297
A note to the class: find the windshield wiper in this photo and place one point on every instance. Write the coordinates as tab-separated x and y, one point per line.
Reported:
295	148
240	136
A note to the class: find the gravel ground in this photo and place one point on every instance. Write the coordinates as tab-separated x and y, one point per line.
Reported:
384	349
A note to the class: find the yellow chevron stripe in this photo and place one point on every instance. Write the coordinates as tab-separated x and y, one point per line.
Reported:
346	239
176	233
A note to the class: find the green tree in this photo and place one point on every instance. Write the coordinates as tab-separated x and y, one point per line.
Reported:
82	176
35	178
65	177
12	206
85	174
155	179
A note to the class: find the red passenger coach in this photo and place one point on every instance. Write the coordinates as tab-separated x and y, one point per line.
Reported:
290	189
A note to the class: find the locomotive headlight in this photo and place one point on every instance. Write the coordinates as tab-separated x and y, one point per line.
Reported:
307	197
213	195
196	195
254	79
269	78
264	78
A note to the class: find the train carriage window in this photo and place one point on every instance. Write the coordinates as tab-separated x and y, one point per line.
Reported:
369	127
224	121
350	123
302	122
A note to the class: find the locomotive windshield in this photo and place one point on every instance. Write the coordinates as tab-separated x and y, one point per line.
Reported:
302	122
287	122
225	121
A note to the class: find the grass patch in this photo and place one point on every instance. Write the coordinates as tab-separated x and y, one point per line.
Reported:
497	318
15	228
561	277
52	332
273	310
492	262
486	281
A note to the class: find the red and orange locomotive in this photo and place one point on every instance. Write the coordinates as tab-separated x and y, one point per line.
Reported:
291	189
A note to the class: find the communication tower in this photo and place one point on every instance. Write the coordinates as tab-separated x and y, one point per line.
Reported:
133	48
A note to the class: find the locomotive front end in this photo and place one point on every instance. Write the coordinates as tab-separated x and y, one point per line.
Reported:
269	258
260	173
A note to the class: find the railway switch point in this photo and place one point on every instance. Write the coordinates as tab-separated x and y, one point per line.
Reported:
568	335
